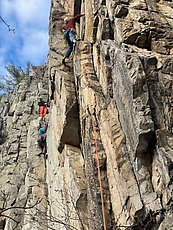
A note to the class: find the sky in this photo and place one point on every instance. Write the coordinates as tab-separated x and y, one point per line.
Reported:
30	20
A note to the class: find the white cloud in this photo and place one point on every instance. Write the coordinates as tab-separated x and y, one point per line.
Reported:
34	47
2	52
2	63
27	11
30	41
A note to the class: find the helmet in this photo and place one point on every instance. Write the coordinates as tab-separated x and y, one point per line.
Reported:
65	19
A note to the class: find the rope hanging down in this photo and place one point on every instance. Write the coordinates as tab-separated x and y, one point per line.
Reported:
98	169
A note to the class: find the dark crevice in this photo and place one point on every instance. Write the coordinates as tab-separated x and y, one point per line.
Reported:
121	11
109	81
111	31
147	143
153	95
107	31
170	171
52	88
140	39
3	133
32	109
77	7
150	68
103	2
2	224
71	133
18	148
145	149
146	221
96	22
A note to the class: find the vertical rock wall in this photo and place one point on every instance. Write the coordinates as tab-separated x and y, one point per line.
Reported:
118	89
111	103
23	188
65	171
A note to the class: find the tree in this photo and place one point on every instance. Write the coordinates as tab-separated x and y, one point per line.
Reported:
13	77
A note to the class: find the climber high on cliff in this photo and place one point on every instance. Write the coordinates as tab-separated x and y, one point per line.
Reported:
70	34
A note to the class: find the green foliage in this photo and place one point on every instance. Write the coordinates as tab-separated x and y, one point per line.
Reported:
13	77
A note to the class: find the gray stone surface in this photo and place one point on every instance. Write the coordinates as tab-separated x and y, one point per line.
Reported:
22	172
113	97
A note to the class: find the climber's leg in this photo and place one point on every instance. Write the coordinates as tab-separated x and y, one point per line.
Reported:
72	36
70	47
41	111
45	111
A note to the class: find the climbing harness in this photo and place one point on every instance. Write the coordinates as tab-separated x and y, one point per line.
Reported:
99	174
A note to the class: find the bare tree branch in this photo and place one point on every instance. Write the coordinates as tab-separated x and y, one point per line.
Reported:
7	25
18	207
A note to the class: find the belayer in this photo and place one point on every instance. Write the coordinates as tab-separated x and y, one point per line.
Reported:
42	139
69	30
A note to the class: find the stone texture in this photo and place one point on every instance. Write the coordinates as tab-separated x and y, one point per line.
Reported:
123	81
22	173
113	98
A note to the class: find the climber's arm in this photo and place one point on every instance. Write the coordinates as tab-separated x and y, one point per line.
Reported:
78	16
63	28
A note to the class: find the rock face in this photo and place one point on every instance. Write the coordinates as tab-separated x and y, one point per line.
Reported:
22	173
119	89
109	137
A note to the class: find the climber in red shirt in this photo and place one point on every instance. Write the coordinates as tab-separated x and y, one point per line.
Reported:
69	30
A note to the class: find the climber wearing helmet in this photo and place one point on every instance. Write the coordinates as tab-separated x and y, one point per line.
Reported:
70	34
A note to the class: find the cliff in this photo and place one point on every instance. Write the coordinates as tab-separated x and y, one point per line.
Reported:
109	137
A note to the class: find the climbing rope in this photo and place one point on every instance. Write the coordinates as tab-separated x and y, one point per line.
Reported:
99	174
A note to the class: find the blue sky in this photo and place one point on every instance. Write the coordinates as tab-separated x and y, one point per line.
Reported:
30	20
